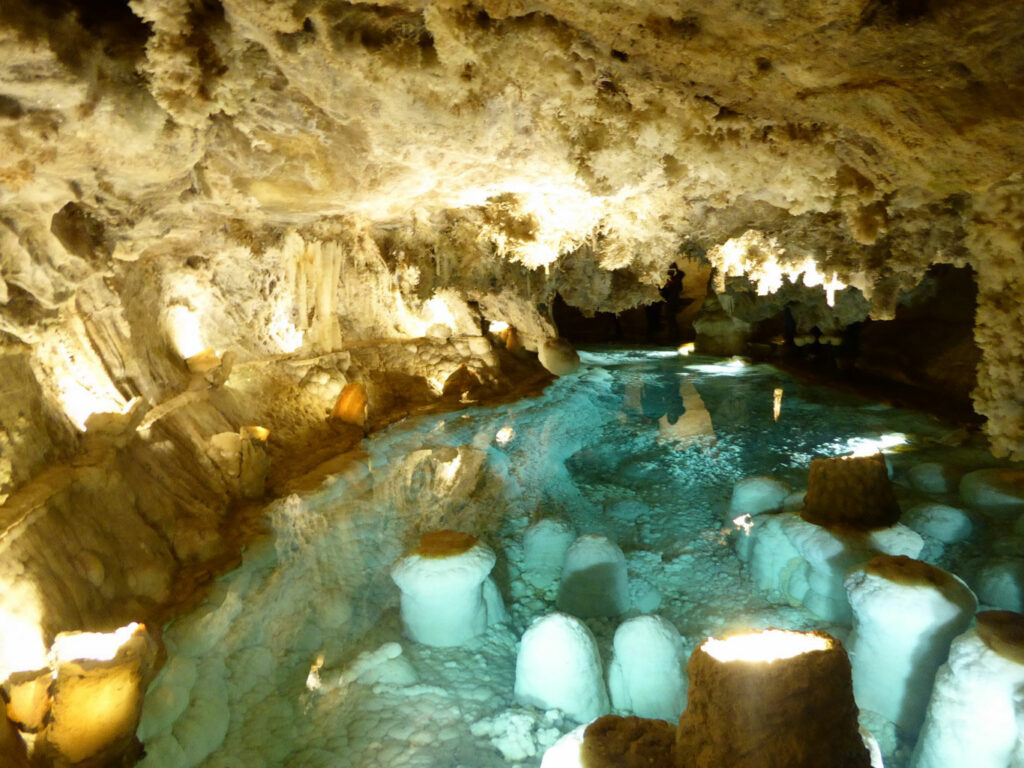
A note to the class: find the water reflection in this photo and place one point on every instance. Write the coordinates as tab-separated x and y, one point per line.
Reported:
675	408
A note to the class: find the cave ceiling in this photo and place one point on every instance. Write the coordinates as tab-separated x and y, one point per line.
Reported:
533	147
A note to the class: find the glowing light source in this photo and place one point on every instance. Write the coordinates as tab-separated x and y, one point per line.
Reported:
564	215
83	397
255	433
868	446
746	522
732	367
497	326
439	313
448	470
283	331
313	678
766	645
98	646
776	403
762	260
21	637
505	436
687	348
184	331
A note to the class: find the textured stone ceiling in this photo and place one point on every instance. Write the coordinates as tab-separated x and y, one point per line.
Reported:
295	175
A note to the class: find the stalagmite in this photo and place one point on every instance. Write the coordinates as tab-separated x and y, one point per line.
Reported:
997	492
804	564
645	677
352	404
770	699
558	666
974	712
444	595
906	613
757	495
940	521
849	491
545	544
594	578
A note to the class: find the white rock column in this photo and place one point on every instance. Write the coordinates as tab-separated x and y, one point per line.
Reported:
558	667
645	677
443	588
594	578
800	563
972	716
905	615
545	544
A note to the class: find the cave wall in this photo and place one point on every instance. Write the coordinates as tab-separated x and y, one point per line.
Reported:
334	191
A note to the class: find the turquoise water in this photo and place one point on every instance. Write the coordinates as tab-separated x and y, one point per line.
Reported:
298	659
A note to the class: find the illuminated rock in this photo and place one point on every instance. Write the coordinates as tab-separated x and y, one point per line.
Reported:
800	563
226	451
254	461
443	588
645	677
718	332
852	492
558	357
352	405
906	613
558	667
567	751
940	521
757	495
627	742
545	544
203	362
933	477
97	693
594	578
999	583
994	491
770	699
973	715
28	698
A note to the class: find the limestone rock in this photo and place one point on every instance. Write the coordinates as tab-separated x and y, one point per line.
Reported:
852	492
558	666
28	698
803	713
906	613
558	357
940	521
976	688
594	578
996	491
97	693
627	742
442	584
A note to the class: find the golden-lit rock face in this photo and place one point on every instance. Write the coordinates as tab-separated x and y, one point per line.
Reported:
297	195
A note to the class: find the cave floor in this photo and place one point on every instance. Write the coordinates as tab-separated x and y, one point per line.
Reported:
290	660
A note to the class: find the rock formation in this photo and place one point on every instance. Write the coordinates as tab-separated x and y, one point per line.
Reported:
218	215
